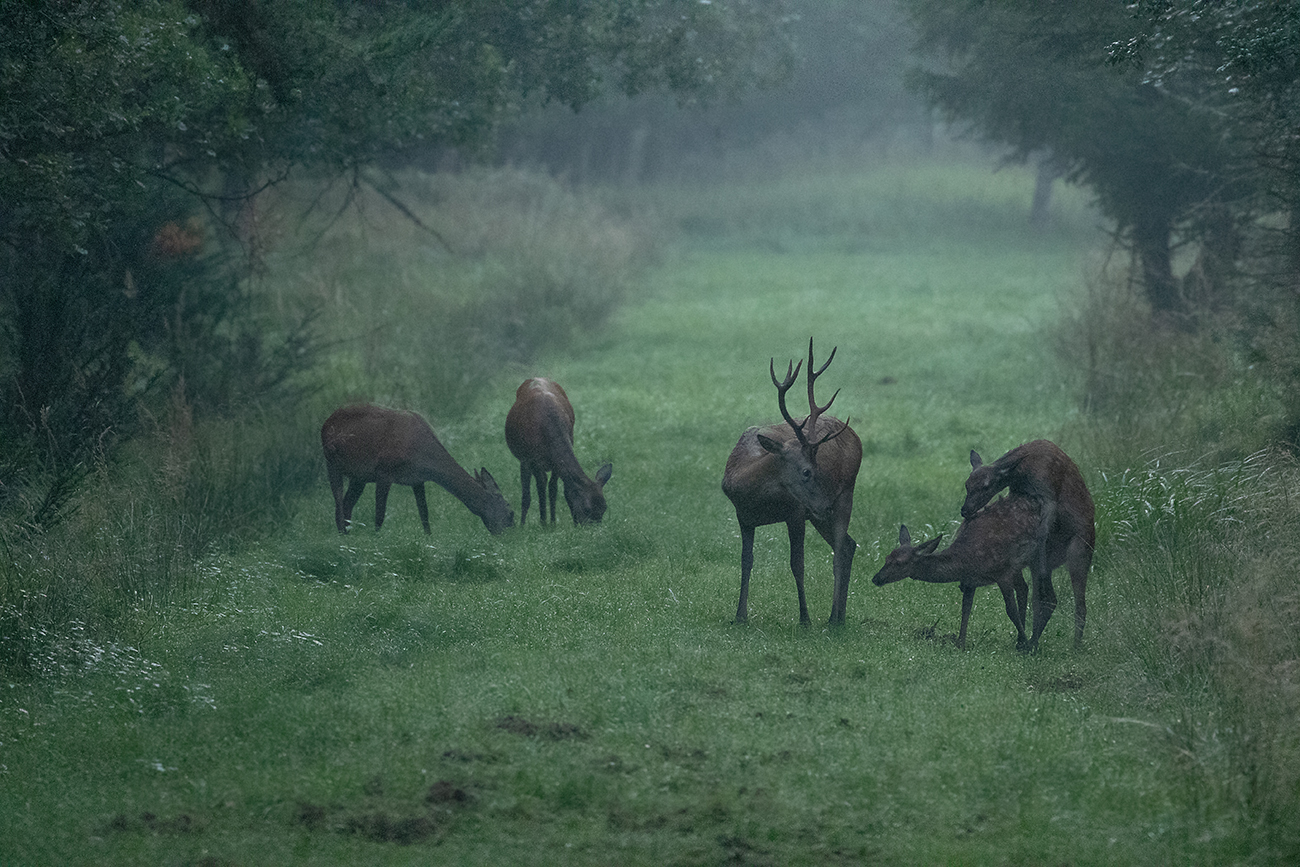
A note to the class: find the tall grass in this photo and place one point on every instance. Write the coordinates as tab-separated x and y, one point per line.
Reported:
1155	386
1208	557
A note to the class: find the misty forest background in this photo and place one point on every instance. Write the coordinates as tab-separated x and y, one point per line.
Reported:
217	220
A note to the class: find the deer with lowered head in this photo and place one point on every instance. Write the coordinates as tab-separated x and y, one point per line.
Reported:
992	547
1066	531
539	433
796	472
366	443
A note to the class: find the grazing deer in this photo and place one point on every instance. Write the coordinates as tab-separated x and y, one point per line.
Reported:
539	432
796	472
1066	531
366	443
992	547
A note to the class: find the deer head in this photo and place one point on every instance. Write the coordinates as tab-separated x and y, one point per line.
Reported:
983	483
900	561
798	457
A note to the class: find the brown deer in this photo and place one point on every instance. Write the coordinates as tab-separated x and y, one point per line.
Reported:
1066	531
993	547
539	432
792	473
367	443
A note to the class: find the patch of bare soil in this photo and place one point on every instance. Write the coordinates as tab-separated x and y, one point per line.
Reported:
556	731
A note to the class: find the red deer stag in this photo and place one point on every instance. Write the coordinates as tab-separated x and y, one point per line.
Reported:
993	547
389	447
1066	531
539	432
792	473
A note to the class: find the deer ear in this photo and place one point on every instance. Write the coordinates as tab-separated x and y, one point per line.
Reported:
769	444
928	547
603	474
904	537
485	479
975	460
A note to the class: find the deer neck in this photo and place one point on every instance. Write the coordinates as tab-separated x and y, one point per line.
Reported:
937	569
453	478
561	451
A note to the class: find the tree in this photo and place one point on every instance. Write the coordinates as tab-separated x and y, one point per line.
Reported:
1035	76
121	122
1238	59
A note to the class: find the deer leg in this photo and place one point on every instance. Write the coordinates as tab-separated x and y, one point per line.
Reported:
355	487
381	502
967	603
553	492
422	506
1012	596
336	488
1044	605
746	566
796	530
1022	595
1046	520
1078	559
842	548
526	497
842	569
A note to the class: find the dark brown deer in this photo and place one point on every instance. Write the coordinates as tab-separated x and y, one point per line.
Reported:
539	432
366	443
792	473
1066	533
993	547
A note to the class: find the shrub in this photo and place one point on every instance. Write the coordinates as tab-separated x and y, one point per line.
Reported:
483	271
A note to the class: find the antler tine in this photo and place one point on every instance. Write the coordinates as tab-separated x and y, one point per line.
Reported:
834	434
815	411
791	374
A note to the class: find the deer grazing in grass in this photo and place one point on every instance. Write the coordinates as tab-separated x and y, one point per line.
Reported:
992	547
795	472
366	443
1066	533
539	433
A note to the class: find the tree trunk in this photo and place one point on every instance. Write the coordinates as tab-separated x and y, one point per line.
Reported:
1151	247
1048	172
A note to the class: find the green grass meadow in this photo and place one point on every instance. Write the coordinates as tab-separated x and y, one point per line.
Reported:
580	695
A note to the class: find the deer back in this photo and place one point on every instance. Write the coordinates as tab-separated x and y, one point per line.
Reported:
1039	470
369	443
998	540
539	426
539	433
377	444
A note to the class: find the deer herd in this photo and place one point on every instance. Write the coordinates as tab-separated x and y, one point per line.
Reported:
795	471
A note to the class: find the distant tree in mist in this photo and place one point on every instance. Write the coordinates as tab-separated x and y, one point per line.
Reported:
1037	75
842	90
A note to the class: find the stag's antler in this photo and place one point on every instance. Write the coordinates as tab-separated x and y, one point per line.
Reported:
791	374
814	411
